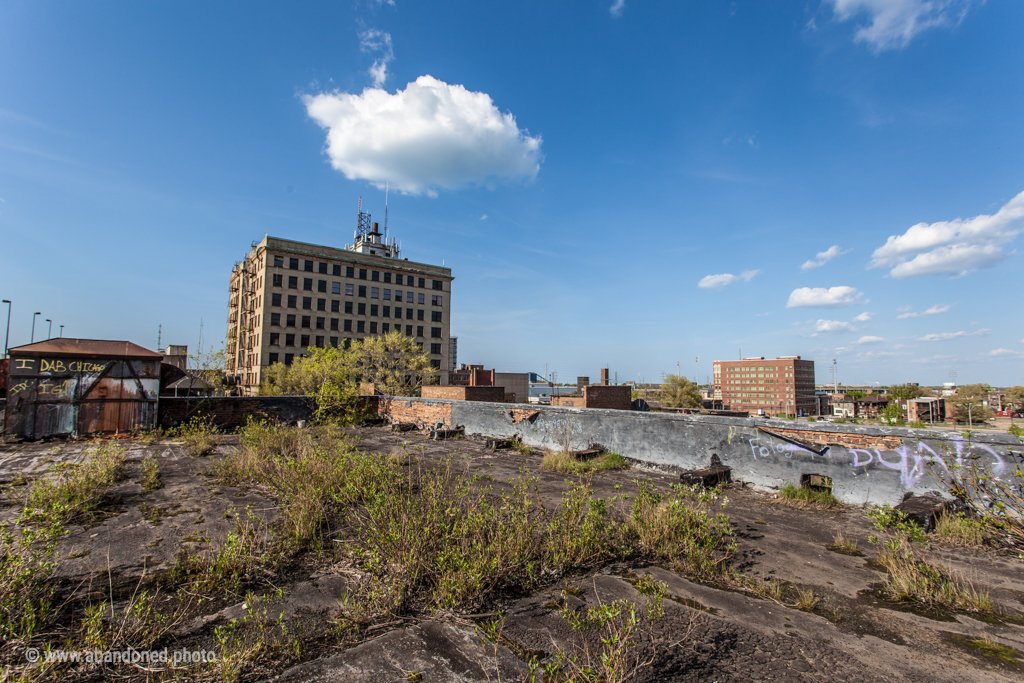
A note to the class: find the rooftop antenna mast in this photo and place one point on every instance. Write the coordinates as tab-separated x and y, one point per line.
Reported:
386	187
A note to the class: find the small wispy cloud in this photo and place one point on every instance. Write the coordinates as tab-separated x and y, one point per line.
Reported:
725	279
870	340
821	297
946	336
894	23
371	41
823	257
617	7
934	310
833	326
864	317
484	217
1004	353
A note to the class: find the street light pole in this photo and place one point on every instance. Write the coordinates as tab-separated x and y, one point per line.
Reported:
8	337
49	330
33	340
61	331
696	371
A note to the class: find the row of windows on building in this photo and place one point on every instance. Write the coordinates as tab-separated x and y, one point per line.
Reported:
291	319
292	301
346	342
351	290
350	271
360	326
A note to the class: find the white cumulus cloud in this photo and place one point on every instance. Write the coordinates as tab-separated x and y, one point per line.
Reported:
820	297
833	326
934	310
823	257
617	7
1001	353
371	41
870	340
946	336
430	135
725	279
894	23
952	247
864	317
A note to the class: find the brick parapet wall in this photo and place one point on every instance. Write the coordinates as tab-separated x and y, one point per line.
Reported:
568	401
458	393
612	397
420	411
231	412
880	442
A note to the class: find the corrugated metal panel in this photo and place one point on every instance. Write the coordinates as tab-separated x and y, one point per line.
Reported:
56	396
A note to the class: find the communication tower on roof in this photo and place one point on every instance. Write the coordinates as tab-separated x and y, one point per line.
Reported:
367	238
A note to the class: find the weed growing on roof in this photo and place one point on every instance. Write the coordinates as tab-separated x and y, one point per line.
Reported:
200	435
569	463
72	490
911	576
151	475
960	530
804	496
887	519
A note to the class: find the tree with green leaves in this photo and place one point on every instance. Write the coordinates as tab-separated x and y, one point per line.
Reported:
1014	398
969	403
393	363
892	414
905	392
679	392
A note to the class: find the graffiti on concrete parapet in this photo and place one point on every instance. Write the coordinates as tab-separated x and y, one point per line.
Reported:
911	461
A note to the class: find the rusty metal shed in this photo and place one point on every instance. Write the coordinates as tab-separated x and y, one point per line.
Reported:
65	387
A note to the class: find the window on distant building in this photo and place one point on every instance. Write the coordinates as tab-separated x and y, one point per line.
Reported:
385	328
288	358
348	326
349	290
279	261
362	290
350	271
435	363
435	316
435	332
436	300
273	358
375	275
408	330
306	321
319	342
275	299
438	284
293	282
408	314
374	292
307	284
307	303
386	312
275	339
362	273
293	264
387	295
290	321
334	325
320	323
275	319
334	342
373	328
278	280
373	309
321	304
409	297
305	341
289	340
335	306
309	266
323	268
321	285
336	272
335	288
435	348
360	326
419	330
423	283
348	306
387	277
362	309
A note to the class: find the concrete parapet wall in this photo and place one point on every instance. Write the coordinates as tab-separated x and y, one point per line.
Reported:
866	464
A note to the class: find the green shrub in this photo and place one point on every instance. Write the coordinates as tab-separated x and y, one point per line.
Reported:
199	434
805	495
568	463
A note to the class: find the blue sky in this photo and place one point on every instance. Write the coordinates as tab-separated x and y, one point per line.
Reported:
631	184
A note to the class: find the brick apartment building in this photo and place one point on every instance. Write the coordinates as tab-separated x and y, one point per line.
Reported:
287	297
784	386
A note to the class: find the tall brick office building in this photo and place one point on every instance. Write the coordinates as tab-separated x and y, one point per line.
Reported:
784	386
288	296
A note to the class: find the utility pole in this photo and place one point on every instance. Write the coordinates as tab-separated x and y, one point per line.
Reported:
49	330
7	339
159	335
33	338
61	331
696	371
835	377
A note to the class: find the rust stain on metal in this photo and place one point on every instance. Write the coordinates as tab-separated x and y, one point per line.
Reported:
64	387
